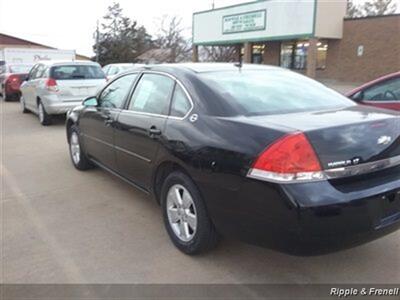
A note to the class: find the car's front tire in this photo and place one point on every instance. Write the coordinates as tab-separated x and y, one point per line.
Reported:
44	117
185	215
78	157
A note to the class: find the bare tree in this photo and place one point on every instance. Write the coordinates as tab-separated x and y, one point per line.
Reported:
379	7
120	38
170	37
353	10
371	8
220	53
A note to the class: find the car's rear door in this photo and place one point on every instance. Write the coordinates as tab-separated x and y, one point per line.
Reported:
385	94
97	123
140	127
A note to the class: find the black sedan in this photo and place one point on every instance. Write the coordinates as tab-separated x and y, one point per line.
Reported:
259	153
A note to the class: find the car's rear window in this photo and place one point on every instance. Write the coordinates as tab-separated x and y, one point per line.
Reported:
69	72
259	92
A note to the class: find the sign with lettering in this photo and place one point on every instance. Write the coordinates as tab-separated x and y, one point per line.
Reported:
244	22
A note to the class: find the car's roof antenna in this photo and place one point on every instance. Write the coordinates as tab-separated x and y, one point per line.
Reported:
239	64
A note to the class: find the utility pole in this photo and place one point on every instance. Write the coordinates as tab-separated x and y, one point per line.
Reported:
97	42
213	4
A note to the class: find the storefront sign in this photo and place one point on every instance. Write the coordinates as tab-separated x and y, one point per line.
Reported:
243	22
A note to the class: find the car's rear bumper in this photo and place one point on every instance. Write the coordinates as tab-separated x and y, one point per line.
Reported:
58	107
307	219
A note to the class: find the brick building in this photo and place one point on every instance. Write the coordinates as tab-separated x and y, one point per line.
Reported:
311	37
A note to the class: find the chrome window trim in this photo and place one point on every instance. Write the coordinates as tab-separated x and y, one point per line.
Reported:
381	101
176	80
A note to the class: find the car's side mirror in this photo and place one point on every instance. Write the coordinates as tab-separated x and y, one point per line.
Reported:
91	101
358	97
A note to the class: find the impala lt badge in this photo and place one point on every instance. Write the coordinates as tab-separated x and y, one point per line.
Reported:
384	140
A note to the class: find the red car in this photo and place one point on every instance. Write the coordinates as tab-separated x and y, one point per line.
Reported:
11	78
383	92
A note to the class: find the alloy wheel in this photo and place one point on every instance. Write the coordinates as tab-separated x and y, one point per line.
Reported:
41	113
75	148
181	213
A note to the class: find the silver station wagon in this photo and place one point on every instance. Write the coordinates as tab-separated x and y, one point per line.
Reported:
53	88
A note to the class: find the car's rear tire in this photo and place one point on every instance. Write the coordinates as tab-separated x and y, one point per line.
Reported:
23	107
7	97
185	215
78	157
44	117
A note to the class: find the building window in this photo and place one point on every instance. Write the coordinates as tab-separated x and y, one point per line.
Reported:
294	54
257	54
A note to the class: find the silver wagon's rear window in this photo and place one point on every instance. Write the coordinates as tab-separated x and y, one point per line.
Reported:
76	72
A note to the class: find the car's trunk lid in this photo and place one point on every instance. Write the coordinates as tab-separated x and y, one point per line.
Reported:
345	137
72	90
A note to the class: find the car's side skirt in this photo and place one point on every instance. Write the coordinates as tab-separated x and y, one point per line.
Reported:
97	163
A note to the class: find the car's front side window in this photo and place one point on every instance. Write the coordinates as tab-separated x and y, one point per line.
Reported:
32	74
114	95
386	91
152	94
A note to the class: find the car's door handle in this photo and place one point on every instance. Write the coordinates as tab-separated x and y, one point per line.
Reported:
153	131
108	120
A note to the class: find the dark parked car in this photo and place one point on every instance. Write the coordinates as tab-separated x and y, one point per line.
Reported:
254	152
383	92
11	78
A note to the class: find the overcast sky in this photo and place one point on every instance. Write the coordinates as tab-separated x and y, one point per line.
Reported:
69	24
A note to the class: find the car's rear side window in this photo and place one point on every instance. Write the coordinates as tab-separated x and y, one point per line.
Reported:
73	72
180	105
259	92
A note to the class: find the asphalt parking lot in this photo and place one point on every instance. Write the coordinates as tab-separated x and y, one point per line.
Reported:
64	226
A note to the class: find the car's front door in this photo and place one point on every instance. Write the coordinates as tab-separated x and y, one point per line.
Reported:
385	94
28	87
139	129
97	123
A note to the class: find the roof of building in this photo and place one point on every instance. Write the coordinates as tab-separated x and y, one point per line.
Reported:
6	39
158	55
370	17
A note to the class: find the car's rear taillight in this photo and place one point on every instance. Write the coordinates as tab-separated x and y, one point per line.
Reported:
13	81
289	159
51	85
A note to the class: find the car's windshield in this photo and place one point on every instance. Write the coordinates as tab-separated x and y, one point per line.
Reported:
68	72
20	68
260	92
